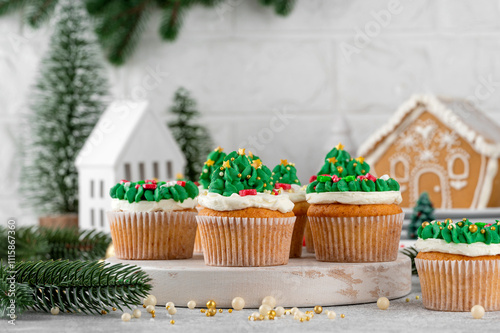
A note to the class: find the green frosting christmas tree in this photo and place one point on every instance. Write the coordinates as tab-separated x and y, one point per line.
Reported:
338	162
422	212
239	172
151	190
213	162
285	173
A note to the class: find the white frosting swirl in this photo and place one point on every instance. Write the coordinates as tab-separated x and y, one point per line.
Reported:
469	250
165	205
355	198
297	194
219	202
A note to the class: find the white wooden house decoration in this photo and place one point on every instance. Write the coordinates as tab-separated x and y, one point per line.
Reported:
129	142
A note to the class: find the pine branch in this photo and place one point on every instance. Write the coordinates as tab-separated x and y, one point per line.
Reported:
22	293
86	286
9	6
412	253
171	20
39	11
38	243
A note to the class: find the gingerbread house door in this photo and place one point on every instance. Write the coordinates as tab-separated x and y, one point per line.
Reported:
433	180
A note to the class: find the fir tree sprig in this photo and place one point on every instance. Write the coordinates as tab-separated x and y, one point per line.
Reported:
91	287
38	243
412	253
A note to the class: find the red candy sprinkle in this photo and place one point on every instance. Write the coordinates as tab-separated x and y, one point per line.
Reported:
313	178
335	178
276	192
150	181
123	181
137	186
371	177
248	192
362	177
283	186
181	183
149	186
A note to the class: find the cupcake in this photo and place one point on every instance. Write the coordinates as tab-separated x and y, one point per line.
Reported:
213	162
459	265
244	221
284	178
153	220
354	216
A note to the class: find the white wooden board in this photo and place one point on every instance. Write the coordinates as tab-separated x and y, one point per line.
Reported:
304	282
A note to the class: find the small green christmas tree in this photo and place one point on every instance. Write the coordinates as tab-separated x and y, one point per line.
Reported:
422	212
193	139
239	172
338	162
285	173
213	162
69	99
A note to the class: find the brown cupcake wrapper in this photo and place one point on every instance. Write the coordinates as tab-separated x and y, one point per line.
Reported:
153	235
357	239
198	248
458	285
245	242
298	236
309	239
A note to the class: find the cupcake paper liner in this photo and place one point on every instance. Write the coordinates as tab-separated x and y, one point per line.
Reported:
245	242
298	236
198	248
309	239
357	239
458	285
153	235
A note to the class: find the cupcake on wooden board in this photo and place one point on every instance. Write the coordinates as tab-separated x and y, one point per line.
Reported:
213	162
153	220
244	221
459	265
284	178
354	216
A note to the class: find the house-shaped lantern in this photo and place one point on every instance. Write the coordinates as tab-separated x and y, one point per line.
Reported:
445	147
128	142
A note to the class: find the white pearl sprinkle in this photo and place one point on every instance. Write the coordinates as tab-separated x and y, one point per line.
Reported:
172	310
191	304
279	311
269	300
169	304
137	313
264	309
331	315
54	311
150	300
150	308
126	316
238	303
477	312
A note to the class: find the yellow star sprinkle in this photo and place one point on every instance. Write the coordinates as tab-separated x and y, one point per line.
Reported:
339	146
219	149
284	162
360	159
179	176
250	154
257	163
332	160
209	162
226	165
241	151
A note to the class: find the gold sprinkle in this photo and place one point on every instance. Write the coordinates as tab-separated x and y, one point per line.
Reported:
460	224
144	305
417	297
425	224
153	315
483	231
202	310
248	176
464	219
221	168
220	310
450	226
172	322
407	300
301	320
114	309
440	228
232	158
250	317
230	310
102	312
342	316
492	228
239	175
473	228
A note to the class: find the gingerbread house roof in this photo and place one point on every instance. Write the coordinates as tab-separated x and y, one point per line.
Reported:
472	125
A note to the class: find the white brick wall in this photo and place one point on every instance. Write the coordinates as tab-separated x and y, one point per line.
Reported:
246	66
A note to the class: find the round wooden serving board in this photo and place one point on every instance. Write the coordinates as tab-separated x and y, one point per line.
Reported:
304	282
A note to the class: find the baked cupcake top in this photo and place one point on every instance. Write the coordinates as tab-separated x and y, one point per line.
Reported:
284	177
151	195
464	238
213	162
242	182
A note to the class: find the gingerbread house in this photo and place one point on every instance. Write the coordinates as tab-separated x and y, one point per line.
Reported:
443	146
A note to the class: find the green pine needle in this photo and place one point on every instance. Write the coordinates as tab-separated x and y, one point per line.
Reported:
39	11
79	286
412	253
9	289
38	243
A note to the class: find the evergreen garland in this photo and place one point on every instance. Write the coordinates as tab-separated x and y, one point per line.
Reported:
38	243
193	138
69	99
119	23
73	286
